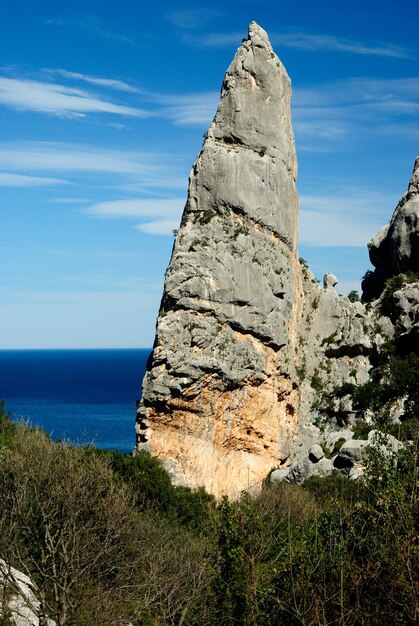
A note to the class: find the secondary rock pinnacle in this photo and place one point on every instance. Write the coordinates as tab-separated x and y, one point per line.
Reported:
395	248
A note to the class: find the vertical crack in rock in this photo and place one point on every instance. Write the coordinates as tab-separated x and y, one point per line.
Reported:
216	406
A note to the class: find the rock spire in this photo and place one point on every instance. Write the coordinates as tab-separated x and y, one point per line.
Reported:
218	404
395	248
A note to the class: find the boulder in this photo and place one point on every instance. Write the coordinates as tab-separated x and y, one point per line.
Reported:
354	450
334	436
329	280
304	468
315	453
278	475
355	473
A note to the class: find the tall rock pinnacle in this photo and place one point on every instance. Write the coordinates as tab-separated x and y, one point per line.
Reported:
218	404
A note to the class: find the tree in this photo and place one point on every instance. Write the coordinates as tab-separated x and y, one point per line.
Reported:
353	296
65	523
94	553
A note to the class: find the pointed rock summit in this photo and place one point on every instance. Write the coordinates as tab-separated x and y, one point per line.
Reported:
218	404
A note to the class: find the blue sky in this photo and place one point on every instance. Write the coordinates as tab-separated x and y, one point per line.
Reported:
103	106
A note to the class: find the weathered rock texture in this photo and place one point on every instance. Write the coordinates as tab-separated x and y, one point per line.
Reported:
219	405
395	248
249	348
19	604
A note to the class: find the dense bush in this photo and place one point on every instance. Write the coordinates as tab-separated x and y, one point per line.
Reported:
95	553
151	486
108	540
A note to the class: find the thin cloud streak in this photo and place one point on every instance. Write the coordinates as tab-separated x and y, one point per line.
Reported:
127	171
364	202
66	157
190	109
159	227
344	217
189	19
58	100
160	216
109	83
305	42
137	208
8	179
322	42
330	115
88	22
333	230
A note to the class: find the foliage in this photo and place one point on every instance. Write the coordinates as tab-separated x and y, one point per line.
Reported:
137	550
330	339
316	381
353	296
76	528
337	445
361	429
7	427
151	486
206	216
394	283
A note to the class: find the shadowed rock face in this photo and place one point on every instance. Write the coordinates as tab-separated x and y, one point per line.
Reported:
395	248
218	402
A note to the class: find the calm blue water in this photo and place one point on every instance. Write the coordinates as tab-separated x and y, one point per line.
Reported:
82	395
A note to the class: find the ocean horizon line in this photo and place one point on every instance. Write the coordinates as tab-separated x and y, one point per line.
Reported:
67	349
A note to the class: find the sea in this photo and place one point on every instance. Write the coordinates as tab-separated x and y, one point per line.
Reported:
82	396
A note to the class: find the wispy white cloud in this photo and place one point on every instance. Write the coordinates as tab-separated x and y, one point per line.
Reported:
326	229
137	208
90	23
69	200
109	83
321	42
354	202
160	216
189	109
8	179
214	40
53	99
348	218
329	115
159	227
24	94
130	172
67	157
189	19
306	42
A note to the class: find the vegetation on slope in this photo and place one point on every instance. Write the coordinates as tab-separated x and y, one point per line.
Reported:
108	540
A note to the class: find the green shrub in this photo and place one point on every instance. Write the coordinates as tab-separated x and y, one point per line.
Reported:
316	382
353	296
152	487
7	427
361	429
337	445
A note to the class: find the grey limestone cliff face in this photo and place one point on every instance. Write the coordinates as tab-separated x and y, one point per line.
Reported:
249	348
219	402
